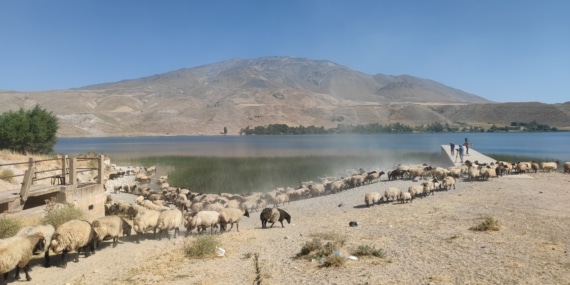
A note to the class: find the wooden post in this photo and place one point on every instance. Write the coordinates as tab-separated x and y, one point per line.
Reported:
73	171
64	169
28	180
100	166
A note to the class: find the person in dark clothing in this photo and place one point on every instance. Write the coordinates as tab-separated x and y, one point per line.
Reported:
452	145
466	145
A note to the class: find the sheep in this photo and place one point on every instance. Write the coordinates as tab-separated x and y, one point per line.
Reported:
73	235
405	197
415	190
473	173
373	176
169	220
394	174
440	173
280	199
316	189
422	172
47	231
269	215
110	227
549	166
272	216
487	172
522	167
391	194
150	205
447	182
231	216
372	197
145	220
566	167
357	180
534	166
16	252
202	219
427	188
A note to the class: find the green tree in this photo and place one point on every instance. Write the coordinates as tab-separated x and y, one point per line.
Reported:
31	131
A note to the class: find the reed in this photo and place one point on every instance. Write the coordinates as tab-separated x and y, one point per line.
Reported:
252	174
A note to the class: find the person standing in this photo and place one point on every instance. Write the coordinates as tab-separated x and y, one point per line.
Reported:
466	144
452	145
460	150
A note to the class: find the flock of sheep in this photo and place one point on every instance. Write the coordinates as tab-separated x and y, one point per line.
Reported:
170	208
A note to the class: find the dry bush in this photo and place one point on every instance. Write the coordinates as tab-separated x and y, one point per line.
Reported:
9	226
57	214
202	246
488	224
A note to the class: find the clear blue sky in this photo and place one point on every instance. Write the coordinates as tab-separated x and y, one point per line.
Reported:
505	51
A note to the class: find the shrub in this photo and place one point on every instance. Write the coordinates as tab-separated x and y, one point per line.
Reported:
9	227
57	215
202	246
6	175
334	260
327	252
366	250
488	224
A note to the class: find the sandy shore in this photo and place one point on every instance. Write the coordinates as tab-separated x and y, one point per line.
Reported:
426	242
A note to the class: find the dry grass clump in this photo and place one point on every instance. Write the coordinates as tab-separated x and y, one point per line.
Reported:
6	175
327	253
57	214
9	226
203	246
366	250
488	224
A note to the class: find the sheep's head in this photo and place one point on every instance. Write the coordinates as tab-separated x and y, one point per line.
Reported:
127	229
246	213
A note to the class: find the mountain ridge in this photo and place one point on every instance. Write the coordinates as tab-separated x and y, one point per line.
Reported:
270	90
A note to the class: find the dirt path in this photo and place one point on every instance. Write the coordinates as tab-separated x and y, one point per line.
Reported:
426	242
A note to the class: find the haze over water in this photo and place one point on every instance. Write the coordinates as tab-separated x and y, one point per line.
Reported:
542	145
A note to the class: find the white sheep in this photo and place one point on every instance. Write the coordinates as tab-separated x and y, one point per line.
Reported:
415	190
405	197
391	194
202	220
47	231
150	205
145	220
371	198
73	235
440	173
110	227
447	182
427	188
316	189
280	199
169	220
549	166
488	172
16	252
473	173
231	216
566	167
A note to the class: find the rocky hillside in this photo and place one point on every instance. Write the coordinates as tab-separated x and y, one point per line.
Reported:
294	91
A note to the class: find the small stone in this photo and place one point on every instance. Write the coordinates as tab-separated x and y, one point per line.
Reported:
286	237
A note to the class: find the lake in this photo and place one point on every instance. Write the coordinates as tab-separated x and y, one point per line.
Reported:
542	145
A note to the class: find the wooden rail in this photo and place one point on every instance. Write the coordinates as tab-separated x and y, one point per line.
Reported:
63	176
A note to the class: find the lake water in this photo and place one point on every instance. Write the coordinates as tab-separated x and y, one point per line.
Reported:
542	145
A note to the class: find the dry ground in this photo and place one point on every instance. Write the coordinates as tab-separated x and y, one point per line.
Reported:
426	242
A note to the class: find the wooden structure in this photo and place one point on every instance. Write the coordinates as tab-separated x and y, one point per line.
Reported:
90	197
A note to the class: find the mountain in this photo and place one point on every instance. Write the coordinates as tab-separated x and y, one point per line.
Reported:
251	92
